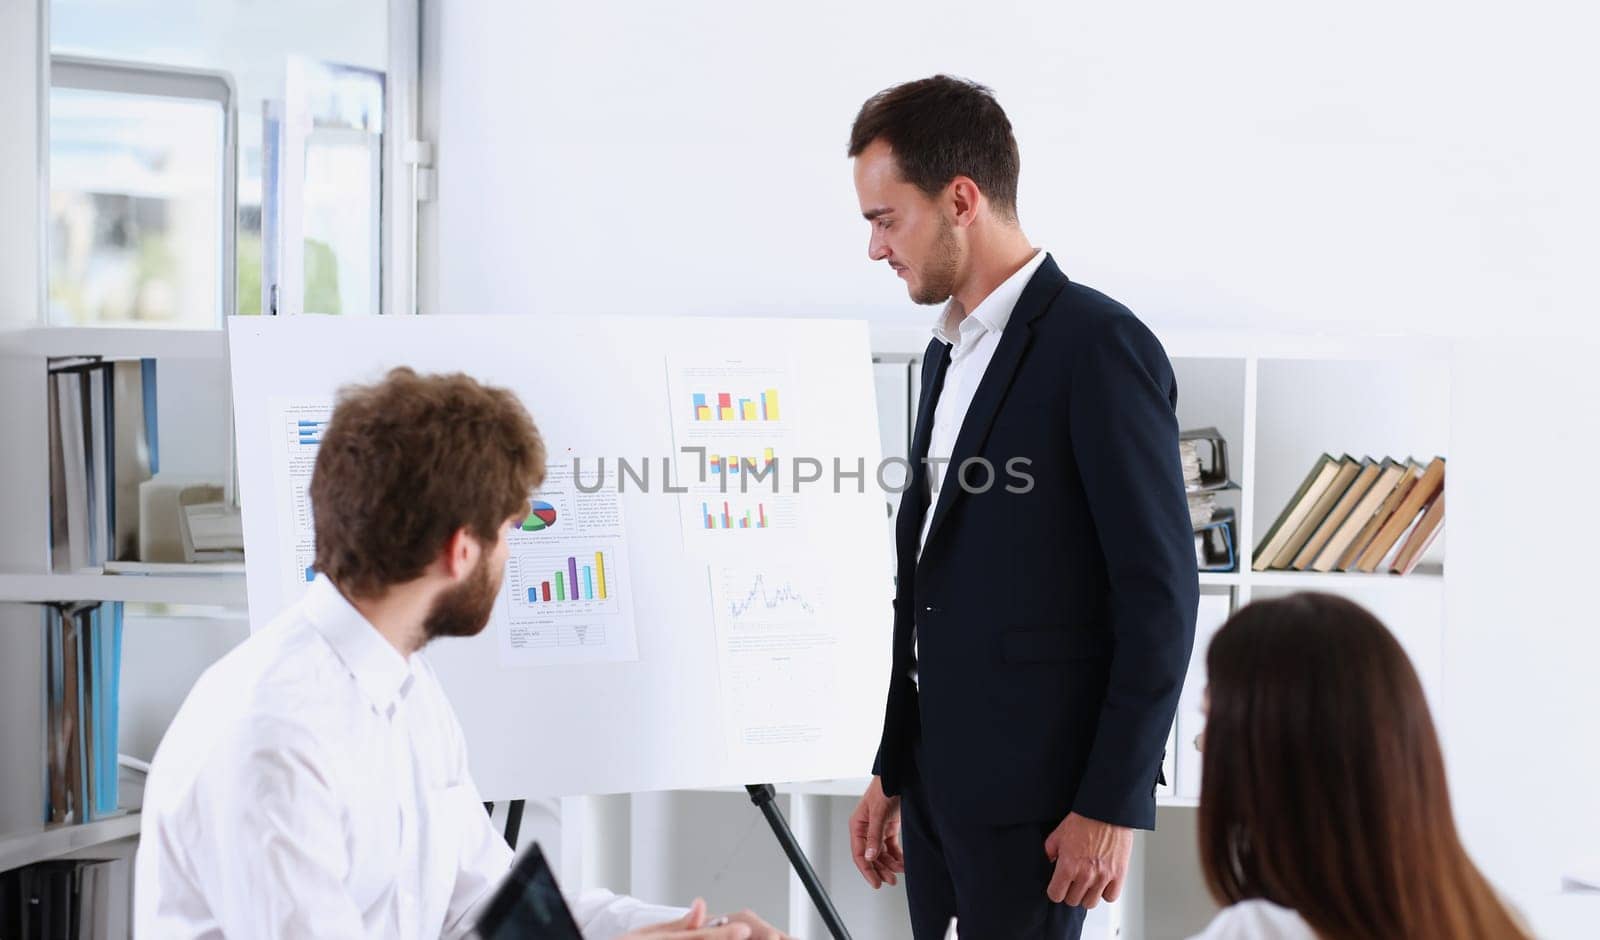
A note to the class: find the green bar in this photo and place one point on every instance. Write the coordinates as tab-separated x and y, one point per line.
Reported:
561	585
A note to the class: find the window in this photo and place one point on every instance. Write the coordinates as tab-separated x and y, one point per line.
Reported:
141	194
255	45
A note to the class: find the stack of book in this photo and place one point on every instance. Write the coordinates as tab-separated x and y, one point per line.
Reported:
1205	474
83	657
102	446
1358	516
89	898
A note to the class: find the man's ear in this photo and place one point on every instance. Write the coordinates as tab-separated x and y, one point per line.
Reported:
461	550
965	200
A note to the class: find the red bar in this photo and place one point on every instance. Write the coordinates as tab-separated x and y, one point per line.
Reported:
762	508
727	516
547	590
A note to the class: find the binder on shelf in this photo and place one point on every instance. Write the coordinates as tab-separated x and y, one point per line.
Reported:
1214	543
1213	474
83	654
102	445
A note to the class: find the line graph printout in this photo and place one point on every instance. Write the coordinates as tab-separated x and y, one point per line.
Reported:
775	647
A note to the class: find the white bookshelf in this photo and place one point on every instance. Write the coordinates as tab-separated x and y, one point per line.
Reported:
29	846
113	343
192	402
200	590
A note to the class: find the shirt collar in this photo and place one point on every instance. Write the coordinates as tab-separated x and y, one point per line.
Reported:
993	312
383	675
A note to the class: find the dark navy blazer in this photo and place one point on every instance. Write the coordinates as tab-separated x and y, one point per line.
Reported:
1053	626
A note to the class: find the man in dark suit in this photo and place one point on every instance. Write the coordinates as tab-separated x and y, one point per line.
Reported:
1046	589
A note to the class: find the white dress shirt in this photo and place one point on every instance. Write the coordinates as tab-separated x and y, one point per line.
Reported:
972	340
1257	920
315	783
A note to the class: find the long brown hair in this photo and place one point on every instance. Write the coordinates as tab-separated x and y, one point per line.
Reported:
1323	787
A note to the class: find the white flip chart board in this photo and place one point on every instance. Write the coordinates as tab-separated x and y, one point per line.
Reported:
650	638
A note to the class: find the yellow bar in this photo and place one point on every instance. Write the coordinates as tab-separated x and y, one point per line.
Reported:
727	414
702	413
600	575
750	411
766	457
772	404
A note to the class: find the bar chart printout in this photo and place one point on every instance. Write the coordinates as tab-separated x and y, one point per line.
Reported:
566	581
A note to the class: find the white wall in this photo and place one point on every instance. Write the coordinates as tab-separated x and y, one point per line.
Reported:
1418	168
1421	167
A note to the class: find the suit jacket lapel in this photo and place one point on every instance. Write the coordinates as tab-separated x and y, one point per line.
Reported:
1042	288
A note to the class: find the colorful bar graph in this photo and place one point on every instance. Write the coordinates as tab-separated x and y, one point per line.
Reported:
726	407
751	519
720	464
567	585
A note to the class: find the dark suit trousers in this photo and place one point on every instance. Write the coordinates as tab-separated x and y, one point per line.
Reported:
992	878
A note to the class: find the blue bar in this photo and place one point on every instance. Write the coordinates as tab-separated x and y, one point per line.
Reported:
588	582
311	573
533	595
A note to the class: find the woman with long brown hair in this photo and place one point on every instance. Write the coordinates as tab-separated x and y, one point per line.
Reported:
1323	806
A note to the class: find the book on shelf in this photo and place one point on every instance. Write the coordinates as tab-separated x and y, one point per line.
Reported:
1289	521
102	445
1344	474
1330	525
1388	476
1357	516
1418	498
1410	473
83	655
73	898
1422	535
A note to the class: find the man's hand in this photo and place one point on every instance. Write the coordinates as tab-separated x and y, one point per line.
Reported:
875	836
759	929
691	926
1091	861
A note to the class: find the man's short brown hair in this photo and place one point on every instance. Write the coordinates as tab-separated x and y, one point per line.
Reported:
940	128
407	462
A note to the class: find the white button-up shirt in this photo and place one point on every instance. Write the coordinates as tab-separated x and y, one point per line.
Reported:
972	340
315	784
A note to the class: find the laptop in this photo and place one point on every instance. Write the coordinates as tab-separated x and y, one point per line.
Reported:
528	905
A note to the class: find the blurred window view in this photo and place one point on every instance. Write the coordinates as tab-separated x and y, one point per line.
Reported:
137	180
136	209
